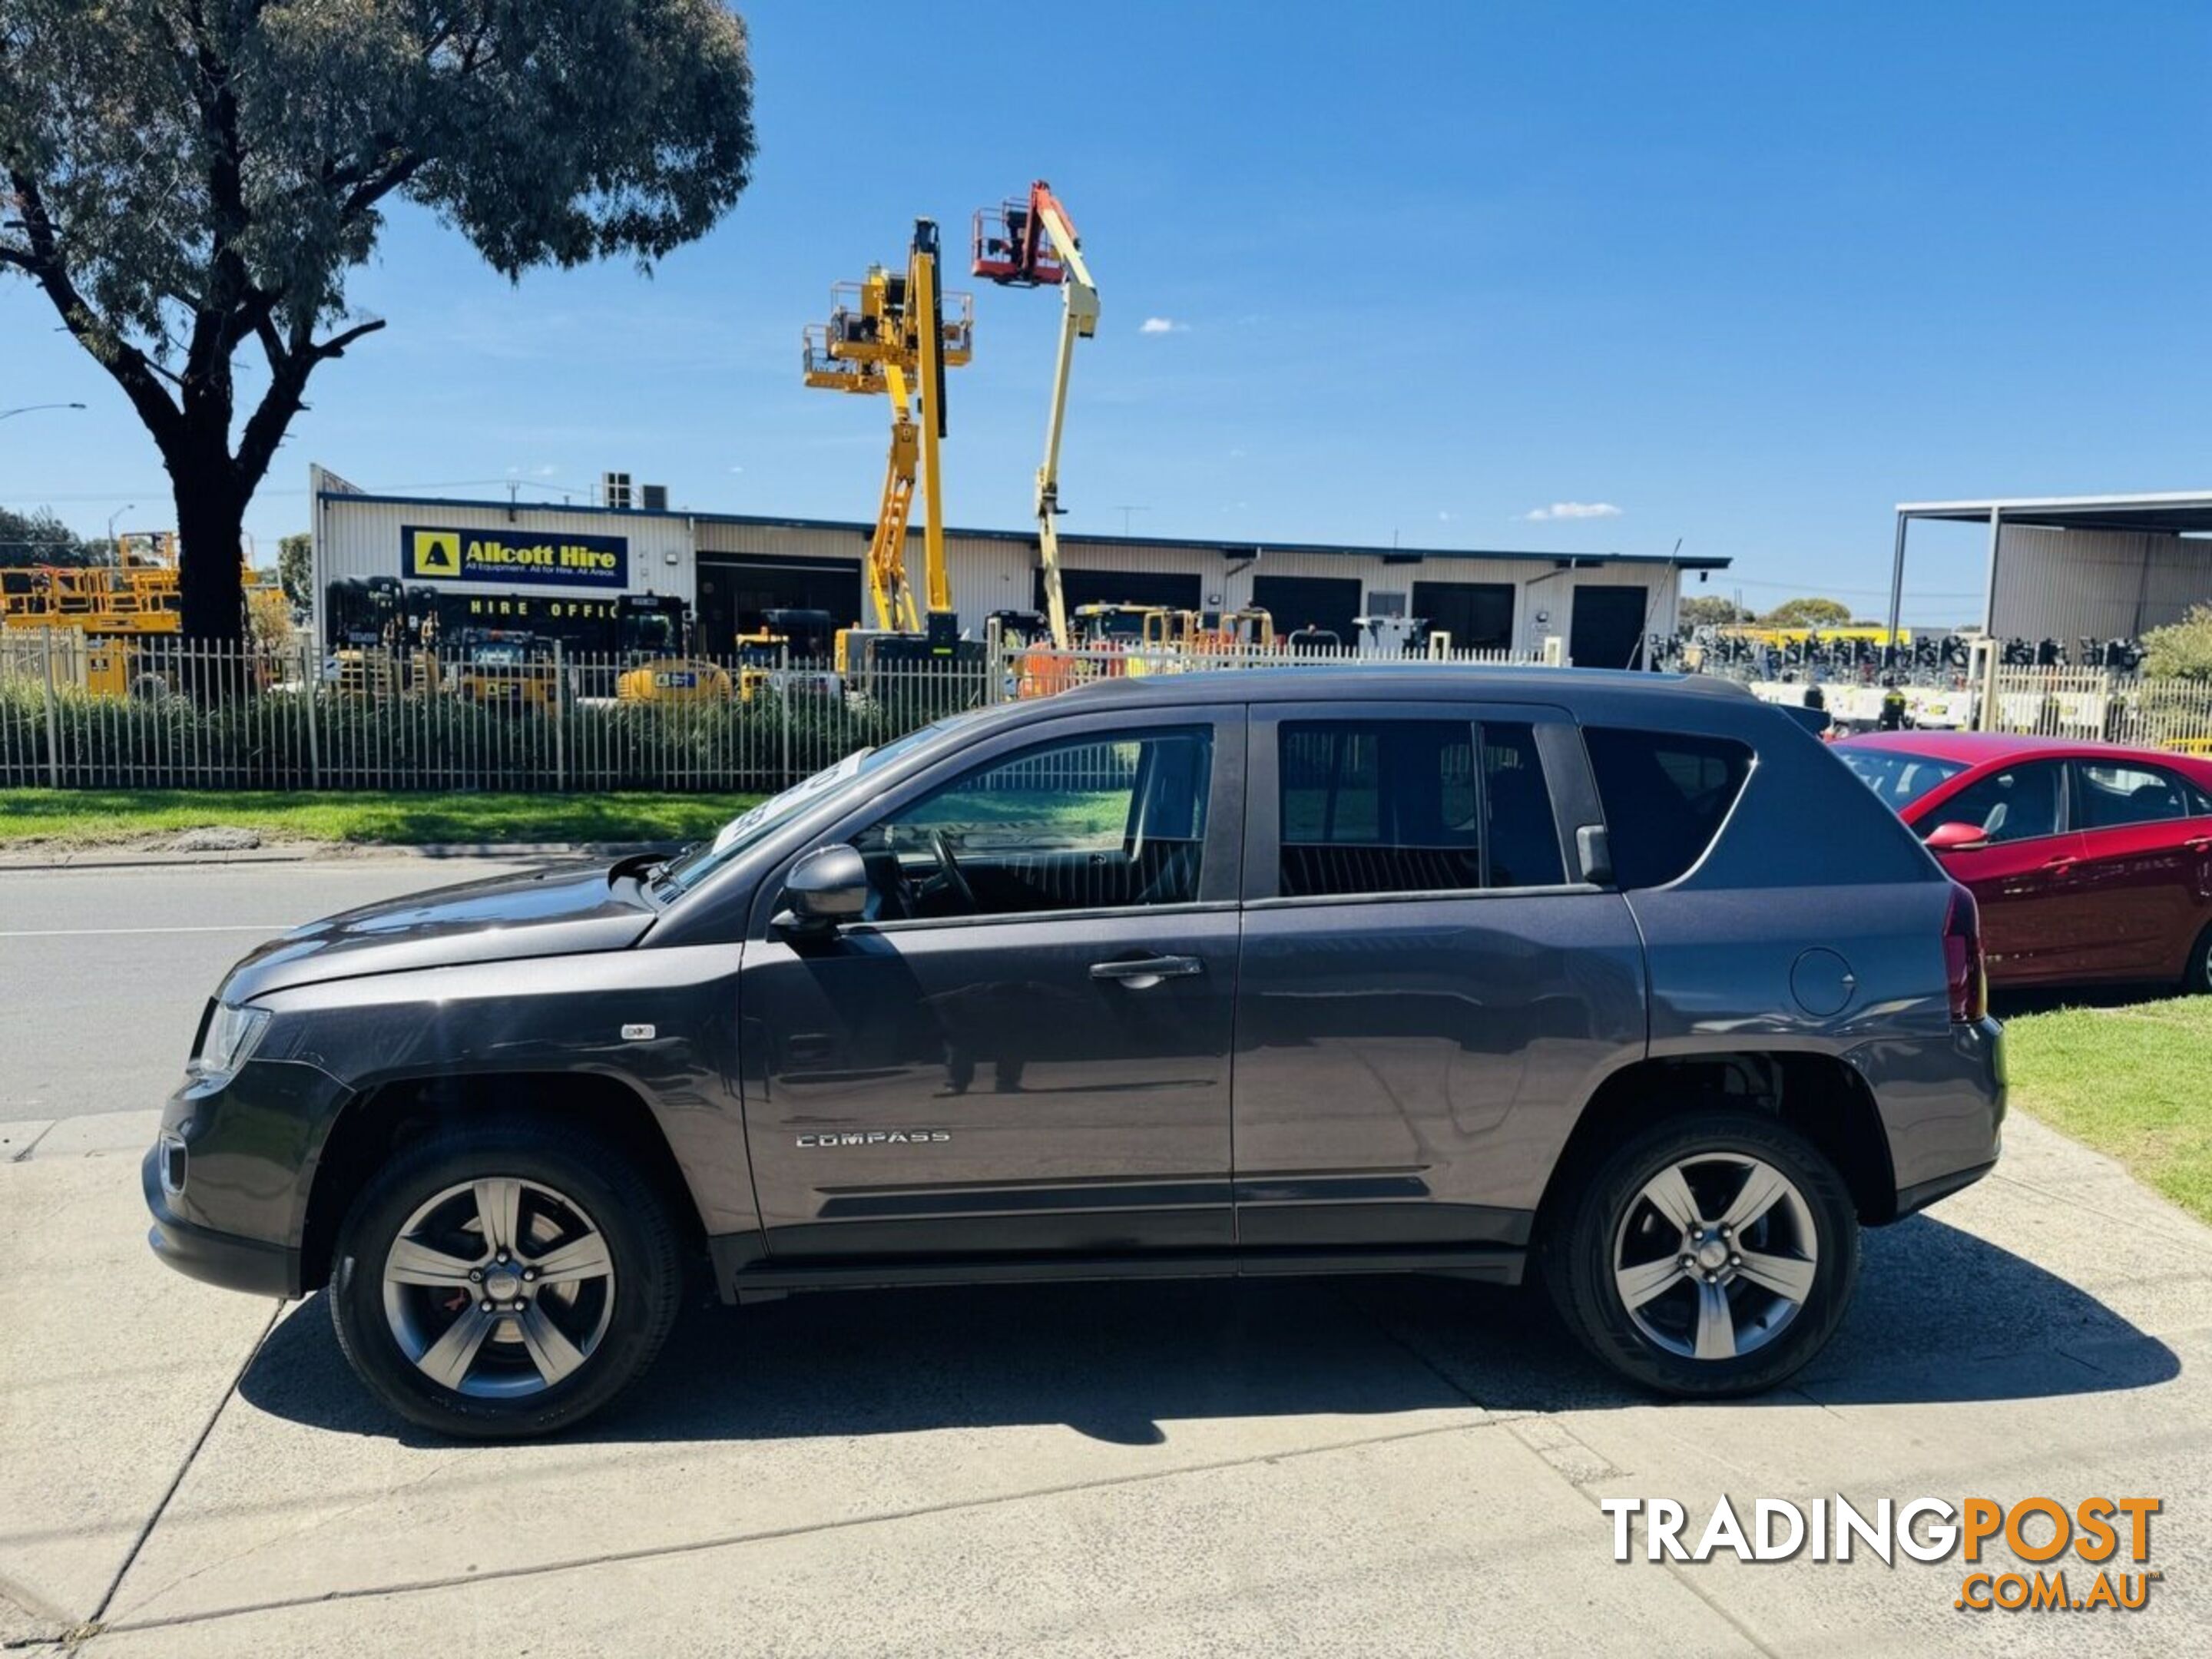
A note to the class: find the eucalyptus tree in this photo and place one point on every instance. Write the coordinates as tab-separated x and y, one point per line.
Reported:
185	180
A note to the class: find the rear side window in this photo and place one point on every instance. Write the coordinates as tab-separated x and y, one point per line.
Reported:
2111	797
1665	797
1898	777
1412	806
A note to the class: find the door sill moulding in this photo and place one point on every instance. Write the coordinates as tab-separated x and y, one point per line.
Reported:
742	1271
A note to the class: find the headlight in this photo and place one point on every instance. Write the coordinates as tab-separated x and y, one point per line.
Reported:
229	1039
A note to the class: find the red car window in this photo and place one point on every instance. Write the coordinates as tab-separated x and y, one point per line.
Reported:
2017	803
2108	797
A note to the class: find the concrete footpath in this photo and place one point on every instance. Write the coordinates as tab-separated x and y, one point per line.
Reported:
1410	1466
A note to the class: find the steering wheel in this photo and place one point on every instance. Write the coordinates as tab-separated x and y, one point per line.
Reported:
949	867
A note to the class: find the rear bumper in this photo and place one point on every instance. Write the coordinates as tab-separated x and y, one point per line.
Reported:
1921	1196
1943	1106
215	1258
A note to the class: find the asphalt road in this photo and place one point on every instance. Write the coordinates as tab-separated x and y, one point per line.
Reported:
103	973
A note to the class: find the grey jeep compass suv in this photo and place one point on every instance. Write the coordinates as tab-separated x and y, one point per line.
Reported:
1308	970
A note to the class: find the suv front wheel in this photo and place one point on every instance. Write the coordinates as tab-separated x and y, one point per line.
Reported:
496	1280
1712	1254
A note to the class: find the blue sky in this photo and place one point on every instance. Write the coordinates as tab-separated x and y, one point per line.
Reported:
1748	274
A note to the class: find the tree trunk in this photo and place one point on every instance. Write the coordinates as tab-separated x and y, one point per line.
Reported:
211	523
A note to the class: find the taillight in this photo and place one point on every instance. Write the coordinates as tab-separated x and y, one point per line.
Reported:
1962	958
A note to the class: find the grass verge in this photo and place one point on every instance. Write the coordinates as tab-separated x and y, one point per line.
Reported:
112	817
2134	1081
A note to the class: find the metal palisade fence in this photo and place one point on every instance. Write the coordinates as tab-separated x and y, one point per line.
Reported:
2097	706
156	712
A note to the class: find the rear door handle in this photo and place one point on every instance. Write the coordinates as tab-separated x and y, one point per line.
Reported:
2061	863
2199	843
1142	973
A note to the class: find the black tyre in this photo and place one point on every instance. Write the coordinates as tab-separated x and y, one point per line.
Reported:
503	1280
2196	978
1711	1256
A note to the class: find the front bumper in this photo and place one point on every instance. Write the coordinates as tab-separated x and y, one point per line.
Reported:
212	1257
250	1144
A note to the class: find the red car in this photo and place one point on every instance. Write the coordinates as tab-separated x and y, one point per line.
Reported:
2090	861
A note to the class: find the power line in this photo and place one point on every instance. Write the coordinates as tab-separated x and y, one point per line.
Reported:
1820	589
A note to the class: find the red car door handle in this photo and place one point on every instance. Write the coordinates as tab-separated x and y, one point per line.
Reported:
2199	843
2061	862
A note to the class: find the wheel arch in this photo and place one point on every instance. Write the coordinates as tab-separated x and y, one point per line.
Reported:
1821	1096
379	1121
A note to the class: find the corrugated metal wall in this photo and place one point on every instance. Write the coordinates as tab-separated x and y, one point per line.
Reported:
2066	585
363	538
988	572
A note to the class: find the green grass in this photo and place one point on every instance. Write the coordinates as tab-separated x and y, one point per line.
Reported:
2133	1081
109	818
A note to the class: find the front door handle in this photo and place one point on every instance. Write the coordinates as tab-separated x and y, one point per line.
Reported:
2061	862
2199	843
1142	973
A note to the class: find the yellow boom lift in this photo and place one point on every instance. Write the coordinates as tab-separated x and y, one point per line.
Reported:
1033	243
895	335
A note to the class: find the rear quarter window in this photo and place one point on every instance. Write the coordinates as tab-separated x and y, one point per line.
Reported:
1665	797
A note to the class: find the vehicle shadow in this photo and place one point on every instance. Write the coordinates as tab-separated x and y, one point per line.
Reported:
2043	999
1941	1315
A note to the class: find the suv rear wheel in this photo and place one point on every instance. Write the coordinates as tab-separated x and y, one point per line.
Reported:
1712	1254
498	1281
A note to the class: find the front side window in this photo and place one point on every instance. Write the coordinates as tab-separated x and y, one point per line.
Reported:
1087	823
2017	803
1411	806
850	775
2112	797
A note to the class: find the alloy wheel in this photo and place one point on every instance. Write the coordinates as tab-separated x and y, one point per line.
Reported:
498	1287
1715	1257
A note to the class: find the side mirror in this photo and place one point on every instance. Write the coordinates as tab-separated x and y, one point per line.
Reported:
1957	838
828	886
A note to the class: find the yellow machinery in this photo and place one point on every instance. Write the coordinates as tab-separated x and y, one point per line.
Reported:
1123	625
653	637
1170	630
139	594
1033	243
505	668
384	636
674	679
115	608
1251	629
760	653
891	334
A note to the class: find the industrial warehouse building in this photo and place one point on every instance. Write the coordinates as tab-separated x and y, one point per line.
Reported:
532	565
2076	567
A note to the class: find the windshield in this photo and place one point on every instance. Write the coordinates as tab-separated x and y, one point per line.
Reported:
697	862
1898	776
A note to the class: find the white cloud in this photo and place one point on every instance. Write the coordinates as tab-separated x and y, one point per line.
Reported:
1572	510
1443	518
1163	325
737	468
